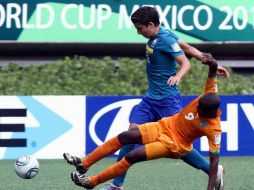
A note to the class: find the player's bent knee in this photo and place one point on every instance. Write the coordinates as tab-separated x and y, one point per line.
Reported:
132	136
124	137
137	155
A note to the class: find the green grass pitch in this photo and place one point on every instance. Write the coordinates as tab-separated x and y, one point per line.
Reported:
162	174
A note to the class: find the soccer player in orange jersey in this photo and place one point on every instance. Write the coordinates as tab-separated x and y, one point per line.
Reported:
170	137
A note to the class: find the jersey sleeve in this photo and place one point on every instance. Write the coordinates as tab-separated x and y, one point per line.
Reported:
211	86
214	139
170	45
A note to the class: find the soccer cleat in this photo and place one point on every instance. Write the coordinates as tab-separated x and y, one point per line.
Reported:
112	187
81	180
220	178
75	161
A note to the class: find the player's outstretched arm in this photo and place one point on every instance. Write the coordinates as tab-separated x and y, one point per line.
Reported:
214	161
190	50
213	66
201	56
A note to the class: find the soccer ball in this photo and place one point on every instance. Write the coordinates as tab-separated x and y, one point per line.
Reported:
26	167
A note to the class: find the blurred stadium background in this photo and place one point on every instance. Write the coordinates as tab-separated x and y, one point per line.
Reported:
71	71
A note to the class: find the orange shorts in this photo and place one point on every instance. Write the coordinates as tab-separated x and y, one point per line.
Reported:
157	143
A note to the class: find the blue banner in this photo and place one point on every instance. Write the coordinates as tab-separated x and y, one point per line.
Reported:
107	116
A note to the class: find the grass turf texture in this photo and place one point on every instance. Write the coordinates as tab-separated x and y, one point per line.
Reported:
163	174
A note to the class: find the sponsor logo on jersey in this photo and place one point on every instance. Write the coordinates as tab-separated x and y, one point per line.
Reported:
176	47
216	87
203	124
217	139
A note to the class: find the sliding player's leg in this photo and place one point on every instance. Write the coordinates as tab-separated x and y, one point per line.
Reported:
82	164
148	152
133	135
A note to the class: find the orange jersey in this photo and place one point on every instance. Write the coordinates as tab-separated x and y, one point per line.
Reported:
186	126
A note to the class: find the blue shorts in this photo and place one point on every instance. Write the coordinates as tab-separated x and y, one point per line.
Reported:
150	110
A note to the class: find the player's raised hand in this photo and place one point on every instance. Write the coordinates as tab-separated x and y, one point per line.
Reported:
174	80
221	71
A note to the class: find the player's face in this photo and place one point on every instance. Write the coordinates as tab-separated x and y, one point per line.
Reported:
208	105
145	31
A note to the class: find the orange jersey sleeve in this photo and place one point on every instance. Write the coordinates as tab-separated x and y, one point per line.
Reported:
213	133
211	86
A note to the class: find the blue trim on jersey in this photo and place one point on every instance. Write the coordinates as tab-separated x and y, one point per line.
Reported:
161	52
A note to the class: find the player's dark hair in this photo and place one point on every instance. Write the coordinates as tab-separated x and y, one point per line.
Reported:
144	15
208	105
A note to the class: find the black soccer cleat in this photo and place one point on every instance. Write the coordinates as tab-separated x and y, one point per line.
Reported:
81	180
75	161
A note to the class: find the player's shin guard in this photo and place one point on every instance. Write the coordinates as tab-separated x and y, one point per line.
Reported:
109	147
124	150
111	172
197	161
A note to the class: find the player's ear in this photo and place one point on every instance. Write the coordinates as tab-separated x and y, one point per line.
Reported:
151	25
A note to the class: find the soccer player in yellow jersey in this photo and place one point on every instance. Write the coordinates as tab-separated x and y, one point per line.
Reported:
170	137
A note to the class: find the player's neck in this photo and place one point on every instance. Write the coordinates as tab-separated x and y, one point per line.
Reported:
156	31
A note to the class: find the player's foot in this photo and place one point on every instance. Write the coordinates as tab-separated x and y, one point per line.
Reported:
220	178
112	187
81	180
75	161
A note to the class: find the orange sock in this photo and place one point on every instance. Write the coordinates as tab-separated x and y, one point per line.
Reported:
111	172
109	147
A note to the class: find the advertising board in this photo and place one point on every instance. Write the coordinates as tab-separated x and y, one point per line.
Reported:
110	116
108	21
48	126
